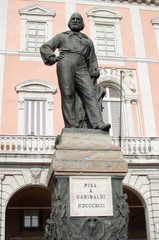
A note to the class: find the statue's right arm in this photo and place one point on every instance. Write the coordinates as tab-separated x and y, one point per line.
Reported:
47	51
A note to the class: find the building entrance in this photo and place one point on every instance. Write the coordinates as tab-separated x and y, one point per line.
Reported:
137	223
26	214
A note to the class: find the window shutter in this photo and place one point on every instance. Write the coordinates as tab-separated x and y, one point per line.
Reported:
115	114
111	110
105	112
32	117
36	35
44	117
38	117
41	34
26	116
35	117
105	40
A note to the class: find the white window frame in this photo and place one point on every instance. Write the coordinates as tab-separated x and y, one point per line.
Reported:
106	16
155	23
35	13
35	90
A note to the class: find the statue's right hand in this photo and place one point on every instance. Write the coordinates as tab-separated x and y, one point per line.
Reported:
56	59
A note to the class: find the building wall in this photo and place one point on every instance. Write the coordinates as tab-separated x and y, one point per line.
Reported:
140	54
137	34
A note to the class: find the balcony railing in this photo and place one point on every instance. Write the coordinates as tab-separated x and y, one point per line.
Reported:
20	144
135	146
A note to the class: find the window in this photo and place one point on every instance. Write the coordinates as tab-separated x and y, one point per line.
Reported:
106	37
35	117
35	113
155	22
122	112
36	32
111	110
36	27
31	218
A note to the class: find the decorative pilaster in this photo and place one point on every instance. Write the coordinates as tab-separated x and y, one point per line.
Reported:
1	203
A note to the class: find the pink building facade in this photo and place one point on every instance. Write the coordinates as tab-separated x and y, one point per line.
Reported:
126	40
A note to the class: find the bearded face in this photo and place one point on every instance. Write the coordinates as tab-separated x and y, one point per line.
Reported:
76	23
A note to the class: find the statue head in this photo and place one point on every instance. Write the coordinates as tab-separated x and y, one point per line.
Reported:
76	23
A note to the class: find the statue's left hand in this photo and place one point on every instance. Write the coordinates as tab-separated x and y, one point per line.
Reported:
95	74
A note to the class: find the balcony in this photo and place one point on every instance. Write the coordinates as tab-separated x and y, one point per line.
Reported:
22	144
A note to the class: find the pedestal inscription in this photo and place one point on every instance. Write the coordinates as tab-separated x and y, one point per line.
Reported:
90	196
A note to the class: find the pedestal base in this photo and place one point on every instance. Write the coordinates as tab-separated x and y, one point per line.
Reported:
88	154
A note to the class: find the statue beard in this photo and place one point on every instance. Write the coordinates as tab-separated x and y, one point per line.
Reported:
75	27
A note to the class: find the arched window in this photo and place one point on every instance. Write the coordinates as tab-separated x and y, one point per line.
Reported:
120	104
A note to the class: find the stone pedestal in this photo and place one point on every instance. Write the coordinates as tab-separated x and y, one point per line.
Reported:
85	179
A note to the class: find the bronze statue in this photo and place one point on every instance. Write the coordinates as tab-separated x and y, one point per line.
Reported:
77	67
